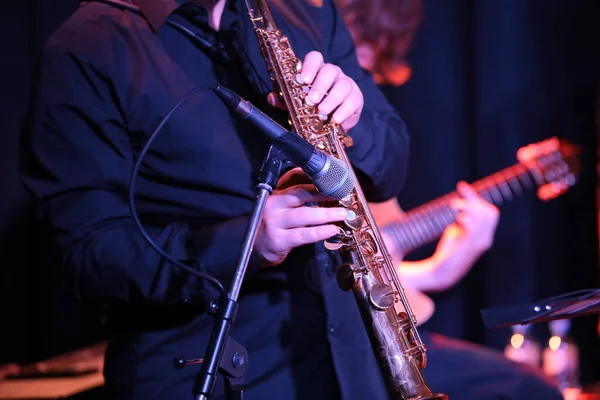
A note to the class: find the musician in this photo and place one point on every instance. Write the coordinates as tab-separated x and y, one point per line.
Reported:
108	77
383	32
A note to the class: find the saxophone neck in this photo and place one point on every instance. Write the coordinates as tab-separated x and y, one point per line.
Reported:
260	15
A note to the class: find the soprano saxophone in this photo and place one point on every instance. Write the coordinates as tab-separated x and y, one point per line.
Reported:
367	269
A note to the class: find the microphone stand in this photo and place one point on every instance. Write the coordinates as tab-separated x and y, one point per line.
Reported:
223	353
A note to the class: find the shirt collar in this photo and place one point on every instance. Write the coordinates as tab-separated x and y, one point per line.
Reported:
157	11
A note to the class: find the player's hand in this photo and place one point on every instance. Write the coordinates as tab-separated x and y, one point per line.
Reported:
477	219
331	91
288	222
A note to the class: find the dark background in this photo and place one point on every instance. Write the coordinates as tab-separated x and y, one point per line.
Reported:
489	76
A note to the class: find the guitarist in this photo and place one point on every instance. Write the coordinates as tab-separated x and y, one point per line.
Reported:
459	248
383	31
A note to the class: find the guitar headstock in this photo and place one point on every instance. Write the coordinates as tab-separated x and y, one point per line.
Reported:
554	165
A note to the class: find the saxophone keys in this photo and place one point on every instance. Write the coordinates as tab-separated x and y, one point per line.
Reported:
348	276
382	296
367	244
354	220
335	242
316	126
347	141
332	246
346	201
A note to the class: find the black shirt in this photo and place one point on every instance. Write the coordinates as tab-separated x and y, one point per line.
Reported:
108	76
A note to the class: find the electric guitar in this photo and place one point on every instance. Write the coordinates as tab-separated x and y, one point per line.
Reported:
550	166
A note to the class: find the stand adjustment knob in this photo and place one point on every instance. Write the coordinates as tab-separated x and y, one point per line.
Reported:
179	362
238	359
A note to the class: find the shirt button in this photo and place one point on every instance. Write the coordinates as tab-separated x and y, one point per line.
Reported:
331	329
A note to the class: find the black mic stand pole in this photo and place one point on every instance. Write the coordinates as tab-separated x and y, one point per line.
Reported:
223	352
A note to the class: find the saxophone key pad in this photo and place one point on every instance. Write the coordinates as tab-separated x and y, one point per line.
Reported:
346	201
348	276
354	220
336	242
332	246
382	296
367	244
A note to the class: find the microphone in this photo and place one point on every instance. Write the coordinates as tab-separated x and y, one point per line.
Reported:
330	175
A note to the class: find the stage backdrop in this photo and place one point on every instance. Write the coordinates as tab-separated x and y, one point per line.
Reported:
489	76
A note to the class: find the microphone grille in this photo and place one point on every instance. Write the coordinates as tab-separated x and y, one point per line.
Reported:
337	181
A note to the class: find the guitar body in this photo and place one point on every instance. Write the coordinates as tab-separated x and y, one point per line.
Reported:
550	166
423	307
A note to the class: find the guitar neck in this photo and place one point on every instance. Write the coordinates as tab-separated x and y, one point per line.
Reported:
426	223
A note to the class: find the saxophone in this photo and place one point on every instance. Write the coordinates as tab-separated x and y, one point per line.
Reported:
367	268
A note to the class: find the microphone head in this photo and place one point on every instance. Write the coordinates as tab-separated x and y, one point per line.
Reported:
336	179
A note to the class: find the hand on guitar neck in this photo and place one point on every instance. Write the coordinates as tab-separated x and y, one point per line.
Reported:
466	220
460	246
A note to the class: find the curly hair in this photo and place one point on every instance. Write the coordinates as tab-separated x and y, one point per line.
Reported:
386	28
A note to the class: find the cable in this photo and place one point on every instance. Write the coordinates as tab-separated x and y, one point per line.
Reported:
134	174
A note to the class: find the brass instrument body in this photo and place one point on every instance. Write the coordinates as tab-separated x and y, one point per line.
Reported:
367	268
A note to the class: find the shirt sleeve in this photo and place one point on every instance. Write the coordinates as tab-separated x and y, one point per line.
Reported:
381	141
76	159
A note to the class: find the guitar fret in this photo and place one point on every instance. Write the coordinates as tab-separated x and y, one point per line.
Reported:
401	233
434	225
414	235
525	179
437	216
420	228
430	223
512	178
409	239
450	214
507	194
494	192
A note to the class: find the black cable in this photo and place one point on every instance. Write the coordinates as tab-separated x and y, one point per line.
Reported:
134	174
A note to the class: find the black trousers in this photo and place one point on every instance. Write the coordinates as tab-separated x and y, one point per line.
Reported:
466	371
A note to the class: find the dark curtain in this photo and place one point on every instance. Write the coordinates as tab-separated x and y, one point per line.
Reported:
39	316
489	76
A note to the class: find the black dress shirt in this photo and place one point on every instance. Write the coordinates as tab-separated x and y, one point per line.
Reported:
108	76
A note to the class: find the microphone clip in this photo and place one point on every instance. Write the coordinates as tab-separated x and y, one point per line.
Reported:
274	163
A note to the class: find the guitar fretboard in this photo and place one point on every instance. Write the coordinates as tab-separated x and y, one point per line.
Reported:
426	223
